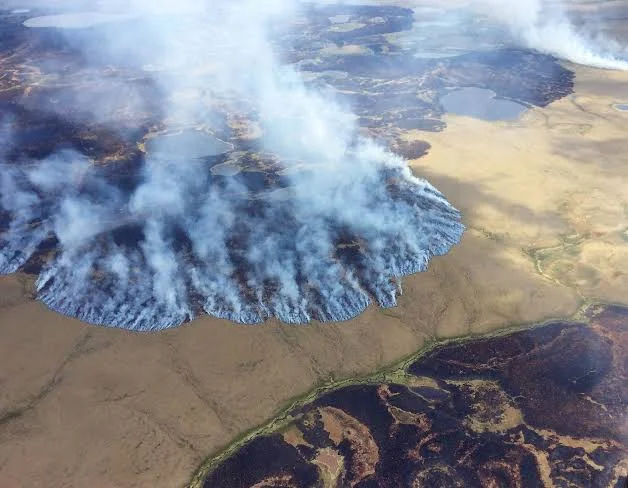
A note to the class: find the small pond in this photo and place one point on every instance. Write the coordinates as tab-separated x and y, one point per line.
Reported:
75	20
481	104
189	144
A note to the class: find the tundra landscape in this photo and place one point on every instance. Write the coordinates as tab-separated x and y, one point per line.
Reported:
218	221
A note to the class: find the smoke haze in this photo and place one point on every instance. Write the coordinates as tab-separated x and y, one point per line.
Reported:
343	222
331	224
545	25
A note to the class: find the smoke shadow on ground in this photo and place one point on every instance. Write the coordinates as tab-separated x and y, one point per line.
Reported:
219	376
365	253
608	155
471	195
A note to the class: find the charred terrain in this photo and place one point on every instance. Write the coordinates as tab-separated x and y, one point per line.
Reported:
166	195
243	246
539	407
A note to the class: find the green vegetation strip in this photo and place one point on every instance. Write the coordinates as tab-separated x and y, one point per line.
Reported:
392	373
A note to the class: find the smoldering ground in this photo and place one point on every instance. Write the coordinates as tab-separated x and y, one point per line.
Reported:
554	27
306	220
333	227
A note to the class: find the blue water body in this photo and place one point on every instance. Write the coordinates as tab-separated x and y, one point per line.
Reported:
481	104
75	20
189	144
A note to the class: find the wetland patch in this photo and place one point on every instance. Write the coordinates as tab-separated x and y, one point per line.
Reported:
246	200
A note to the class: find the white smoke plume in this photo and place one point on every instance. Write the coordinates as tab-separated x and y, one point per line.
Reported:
546	26
234	253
